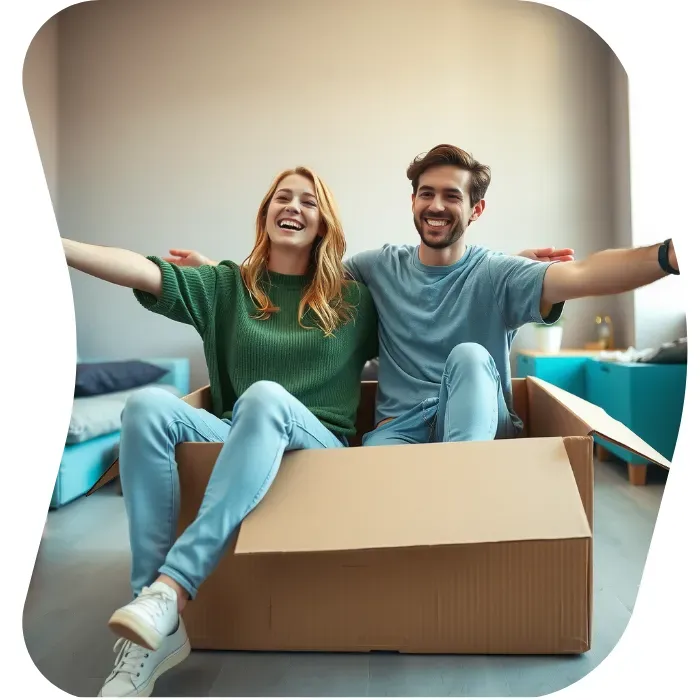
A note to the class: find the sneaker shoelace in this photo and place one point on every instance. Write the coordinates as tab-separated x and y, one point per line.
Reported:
155	603
130	658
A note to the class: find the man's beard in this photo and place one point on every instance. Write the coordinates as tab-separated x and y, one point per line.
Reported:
452	235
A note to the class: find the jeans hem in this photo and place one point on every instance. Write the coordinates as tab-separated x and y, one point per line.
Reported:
180	579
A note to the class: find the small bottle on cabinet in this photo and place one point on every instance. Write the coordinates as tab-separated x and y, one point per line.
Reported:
605	332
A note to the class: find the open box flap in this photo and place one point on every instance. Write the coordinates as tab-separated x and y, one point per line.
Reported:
603	425
416	496
110	474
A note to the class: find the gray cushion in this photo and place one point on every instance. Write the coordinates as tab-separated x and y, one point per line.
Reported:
93	416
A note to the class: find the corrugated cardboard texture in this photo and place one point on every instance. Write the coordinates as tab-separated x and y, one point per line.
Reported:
110	475
386	591
507	598
520	402
549	417
418	495
201	398
580	451
598	421
480	548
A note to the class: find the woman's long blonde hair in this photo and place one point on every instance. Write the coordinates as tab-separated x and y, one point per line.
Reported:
324	295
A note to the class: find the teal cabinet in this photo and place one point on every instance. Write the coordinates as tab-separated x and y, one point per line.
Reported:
565	371
647	398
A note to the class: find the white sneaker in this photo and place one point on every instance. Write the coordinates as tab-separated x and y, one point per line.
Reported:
149	618
137	669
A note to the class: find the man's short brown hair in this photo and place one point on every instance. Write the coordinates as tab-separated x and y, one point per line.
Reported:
444	154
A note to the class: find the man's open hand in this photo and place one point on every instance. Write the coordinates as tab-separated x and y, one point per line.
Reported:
187	258
548	254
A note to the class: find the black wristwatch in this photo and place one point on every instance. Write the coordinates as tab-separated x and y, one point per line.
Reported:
663	259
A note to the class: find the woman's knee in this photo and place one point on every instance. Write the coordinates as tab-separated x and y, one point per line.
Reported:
263	397
148	408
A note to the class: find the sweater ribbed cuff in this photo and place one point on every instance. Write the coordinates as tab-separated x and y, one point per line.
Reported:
169	289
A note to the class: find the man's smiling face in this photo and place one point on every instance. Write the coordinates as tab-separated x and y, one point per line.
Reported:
441	206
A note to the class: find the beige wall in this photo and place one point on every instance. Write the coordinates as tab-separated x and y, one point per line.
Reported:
40	78
176	114
622	206
659	309
655	314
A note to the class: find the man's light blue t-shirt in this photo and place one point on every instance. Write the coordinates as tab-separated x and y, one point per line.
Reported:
425	311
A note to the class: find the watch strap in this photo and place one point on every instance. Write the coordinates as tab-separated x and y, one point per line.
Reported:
663	259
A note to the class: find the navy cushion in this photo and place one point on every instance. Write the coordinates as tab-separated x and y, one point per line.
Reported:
97	378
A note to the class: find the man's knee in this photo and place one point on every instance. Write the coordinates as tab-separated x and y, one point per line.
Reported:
469	355
386	434
372	439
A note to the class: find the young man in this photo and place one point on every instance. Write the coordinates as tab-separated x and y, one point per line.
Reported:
448	311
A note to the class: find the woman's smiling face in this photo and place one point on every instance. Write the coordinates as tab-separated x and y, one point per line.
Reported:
292	216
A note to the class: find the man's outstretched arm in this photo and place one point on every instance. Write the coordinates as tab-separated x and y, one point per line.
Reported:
188	258
608	272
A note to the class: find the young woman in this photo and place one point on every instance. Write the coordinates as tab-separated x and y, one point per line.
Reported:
286	336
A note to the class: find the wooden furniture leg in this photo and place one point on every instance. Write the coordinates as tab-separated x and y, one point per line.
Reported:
602	453
637	474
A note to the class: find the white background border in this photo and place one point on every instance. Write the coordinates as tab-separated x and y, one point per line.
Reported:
657	46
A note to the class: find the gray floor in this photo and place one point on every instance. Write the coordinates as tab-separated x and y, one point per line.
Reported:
81	577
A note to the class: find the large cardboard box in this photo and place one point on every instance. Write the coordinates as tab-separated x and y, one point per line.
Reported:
472	548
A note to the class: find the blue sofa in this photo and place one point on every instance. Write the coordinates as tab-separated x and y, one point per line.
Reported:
84	461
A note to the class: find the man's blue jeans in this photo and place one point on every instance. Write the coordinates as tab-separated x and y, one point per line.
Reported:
469	407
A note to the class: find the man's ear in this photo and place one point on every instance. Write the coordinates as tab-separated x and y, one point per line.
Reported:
478	210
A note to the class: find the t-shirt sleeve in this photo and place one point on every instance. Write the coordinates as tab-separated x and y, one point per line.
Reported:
517	285
187	294
361	265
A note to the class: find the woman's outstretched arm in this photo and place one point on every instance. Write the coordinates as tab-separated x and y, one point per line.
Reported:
115	265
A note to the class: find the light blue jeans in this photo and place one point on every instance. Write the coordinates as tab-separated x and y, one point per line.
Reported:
266	422
470	406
